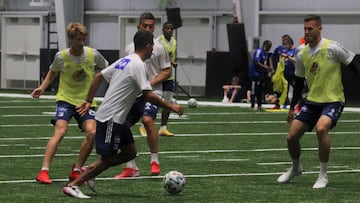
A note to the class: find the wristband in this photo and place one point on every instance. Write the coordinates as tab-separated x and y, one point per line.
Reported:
88	100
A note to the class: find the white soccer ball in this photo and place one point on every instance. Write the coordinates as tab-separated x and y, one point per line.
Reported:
174	182
192	103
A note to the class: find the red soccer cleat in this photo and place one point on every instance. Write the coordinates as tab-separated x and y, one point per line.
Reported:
128	172
155	169
74	174
43	177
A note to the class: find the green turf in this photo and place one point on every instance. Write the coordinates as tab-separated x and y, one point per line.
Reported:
228	154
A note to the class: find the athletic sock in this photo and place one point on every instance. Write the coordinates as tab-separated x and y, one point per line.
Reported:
131	164
296	163
323	168
154	157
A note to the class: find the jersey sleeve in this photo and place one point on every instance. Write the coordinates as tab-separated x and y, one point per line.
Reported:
299	66
58	63
99	59
339	54
164	58
257	55
109	71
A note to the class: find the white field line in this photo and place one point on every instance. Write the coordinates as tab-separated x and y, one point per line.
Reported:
193	151
190	176
347	109
182	102
184	135
181	123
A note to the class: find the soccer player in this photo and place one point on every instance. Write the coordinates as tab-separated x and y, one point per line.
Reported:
114	140
169	43
320	63
258	72
76	67
159	70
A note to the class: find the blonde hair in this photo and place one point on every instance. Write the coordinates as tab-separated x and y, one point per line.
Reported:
76	28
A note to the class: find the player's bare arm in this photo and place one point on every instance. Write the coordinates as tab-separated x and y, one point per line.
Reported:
164	75
150	96
50	76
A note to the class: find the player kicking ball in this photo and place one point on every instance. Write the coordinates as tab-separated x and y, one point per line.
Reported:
114	140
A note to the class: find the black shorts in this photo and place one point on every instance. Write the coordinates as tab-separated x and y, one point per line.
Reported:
136	111
111	136
168	85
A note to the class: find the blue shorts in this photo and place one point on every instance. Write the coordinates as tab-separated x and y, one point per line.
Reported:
168	85
150	110
310	112
111	136
65	111
141	108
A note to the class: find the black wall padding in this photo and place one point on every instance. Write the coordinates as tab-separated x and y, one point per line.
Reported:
238	49
218	73
174	17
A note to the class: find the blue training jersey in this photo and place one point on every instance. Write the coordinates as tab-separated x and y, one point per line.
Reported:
257	72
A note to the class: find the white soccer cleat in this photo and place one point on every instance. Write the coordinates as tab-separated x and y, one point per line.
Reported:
288	175
74	191
321	182
91	184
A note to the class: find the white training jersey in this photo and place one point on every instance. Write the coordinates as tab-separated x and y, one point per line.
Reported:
126	78
336	54
58	63
158	61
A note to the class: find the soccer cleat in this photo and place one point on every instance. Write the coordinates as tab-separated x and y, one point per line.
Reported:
74	191
297	108
142	131
43	177
165	132
321	182
128	172
91	184
275	107
155	169
288	175
74	174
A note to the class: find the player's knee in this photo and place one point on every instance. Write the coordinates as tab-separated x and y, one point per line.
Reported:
292	138
321	131
147	120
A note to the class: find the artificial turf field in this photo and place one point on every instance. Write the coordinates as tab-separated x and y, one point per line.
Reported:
228	154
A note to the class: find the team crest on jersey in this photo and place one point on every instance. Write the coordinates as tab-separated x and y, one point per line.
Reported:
122	63
314	68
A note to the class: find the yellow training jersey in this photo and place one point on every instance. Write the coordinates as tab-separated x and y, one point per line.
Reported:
75	79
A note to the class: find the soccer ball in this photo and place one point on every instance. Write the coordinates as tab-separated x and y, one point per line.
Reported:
192	103
174	182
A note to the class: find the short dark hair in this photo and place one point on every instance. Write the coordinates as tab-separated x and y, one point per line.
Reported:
316	18
167	23
285	36
267	43
143	38
146	16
